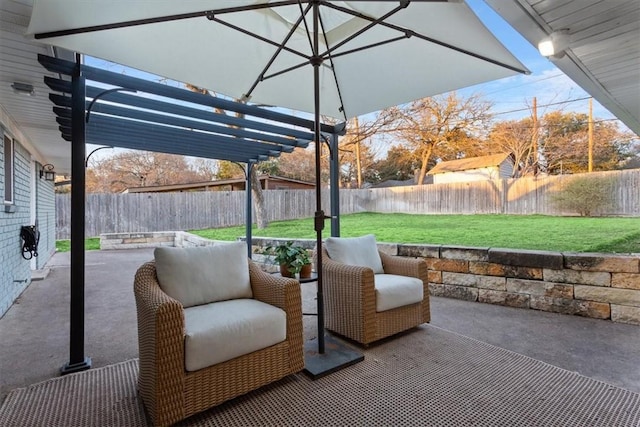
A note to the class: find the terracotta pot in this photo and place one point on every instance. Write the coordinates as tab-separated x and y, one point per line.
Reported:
284	272
305	273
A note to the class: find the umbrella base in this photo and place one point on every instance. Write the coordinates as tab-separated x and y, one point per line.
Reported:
337	355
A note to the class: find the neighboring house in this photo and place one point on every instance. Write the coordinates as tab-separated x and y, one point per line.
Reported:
28	200
473	169
267	182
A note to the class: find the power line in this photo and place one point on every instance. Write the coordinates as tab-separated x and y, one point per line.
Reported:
525	83
544	105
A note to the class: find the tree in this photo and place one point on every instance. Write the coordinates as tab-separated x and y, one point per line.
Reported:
515	137
256	189
357	155
428	124
565	145
229	170
141	168
400	164
299	164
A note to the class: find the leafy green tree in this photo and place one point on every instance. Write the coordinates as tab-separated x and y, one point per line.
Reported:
229	170
400	164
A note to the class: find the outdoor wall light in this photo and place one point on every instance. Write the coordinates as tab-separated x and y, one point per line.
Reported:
23	88
555	44
47	172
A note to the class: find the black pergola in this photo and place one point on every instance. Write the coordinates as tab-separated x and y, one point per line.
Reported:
168	120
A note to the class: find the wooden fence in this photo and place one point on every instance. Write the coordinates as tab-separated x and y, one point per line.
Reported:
112	213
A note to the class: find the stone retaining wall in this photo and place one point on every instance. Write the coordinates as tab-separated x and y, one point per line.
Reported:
601	286
152	240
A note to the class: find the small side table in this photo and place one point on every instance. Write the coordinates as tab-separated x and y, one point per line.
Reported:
313	278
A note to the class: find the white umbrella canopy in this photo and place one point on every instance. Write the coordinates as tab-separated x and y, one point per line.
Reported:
335	58
448	48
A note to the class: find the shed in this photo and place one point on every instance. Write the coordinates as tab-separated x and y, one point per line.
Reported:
473	169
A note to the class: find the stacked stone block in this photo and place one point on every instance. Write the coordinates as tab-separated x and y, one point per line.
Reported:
601	286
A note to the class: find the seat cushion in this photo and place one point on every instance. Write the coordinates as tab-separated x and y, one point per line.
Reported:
224	330
201	275
361	251
393	291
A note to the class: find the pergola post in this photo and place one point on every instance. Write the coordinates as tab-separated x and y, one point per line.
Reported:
249	209
77	360
334	185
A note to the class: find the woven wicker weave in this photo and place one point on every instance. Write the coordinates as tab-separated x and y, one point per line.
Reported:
350	299
169	392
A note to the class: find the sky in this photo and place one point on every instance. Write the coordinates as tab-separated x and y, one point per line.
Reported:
546	82
512	97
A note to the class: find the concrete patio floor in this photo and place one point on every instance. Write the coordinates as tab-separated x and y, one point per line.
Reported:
35	331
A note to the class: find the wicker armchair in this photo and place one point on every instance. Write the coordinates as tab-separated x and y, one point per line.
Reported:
169	392
350	299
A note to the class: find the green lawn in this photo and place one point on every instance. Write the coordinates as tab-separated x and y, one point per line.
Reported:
568	234
90	244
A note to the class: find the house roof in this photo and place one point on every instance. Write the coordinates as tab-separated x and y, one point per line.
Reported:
204	184
469	163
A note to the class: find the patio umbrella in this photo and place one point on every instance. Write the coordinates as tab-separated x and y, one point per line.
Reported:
336	58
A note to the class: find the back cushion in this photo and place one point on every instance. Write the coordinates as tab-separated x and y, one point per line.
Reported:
201	275
361	251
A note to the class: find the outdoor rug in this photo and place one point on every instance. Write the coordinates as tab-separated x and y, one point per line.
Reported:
427	377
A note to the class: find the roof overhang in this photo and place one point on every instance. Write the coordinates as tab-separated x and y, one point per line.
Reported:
604	53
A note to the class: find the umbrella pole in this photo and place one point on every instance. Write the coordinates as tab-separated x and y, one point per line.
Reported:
341	355
319	215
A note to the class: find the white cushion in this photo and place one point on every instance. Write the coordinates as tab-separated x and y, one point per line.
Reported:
393	291
224	330
201	275
361	251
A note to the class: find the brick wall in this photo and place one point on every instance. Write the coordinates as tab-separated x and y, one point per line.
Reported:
15	271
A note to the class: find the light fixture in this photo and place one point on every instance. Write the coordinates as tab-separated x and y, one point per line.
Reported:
555	44
47	172
23	88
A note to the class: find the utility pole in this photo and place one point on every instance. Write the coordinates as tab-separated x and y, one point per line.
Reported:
534	138
590	134
358	165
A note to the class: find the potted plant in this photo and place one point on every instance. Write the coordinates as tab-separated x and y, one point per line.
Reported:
292	259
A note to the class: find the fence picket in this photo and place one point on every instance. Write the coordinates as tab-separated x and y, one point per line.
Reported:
139	212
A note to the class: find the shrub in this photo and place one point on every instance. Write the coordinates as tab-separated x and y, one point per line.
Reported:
586	195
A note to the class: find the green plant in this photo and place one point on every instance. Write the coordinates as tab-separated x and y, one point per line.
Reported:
585	195
293	258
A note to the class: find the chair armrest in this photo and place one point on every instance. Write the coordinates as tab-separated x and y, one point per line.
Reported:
351	284
284	293
350	298
161	330
402	266
275	290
